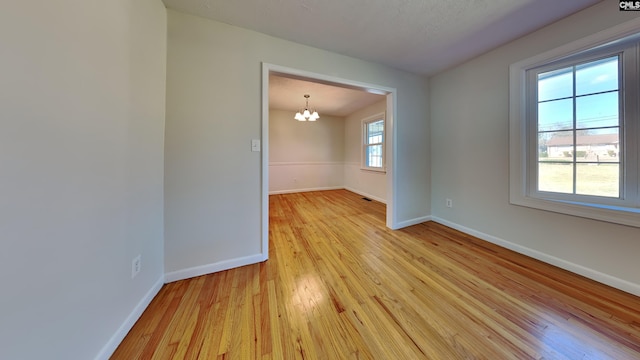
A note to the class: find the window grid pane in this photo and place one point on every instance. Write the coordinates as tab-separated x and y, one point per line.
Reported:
578	131
374	156
374	138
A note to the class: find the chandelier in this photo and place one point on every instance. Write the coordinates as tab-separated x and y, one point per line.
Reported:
306	115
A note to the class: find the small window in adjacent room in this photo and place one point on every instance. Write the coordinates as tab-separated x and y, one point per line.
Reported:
373	143
575	128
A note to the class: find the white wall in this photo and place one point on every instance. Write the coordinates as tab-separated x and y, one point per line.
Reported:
372	184
305	155
81	154
212	179
325	154
469	156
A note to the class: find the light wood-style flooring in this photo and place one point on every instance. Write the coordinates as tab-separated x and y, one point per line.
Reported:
339	285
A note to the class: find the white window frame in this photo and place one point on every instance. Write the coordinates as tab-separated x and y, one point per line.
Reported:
522	161
365	123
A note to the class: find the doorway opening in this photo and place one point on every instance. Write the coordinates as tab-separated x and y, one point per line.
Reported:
389	95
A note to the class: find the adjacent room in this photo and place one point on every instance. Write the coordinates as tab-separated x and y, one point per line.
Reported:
329	153
161	200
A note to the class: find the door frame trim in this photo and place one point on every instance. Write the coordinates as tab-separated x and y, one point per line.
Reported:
390	146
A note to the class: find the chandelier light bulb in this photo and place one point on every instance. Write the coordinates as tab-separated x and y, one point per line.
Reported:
306	114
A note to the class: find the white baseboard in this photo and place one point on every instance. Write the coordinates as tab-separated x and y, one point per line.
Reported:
291	191
304	163
117	338
411	222
366	195
213	268
592	274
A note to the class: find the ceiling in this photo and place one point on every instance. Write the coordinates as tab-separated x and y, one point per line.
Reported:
419	36
288	94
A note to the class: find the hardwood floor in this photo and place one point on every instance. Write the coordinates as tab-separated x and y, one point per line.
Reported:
339	285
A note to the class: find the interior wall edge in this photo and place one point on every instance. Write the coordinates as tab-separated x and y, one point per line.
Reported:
111	346
213	267
411	222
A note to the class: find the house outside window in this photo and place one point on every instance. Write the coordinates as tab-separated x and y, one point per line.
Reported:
373	143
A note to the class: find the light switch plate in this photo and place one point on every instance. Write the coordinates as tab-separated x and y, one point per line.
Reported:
255	145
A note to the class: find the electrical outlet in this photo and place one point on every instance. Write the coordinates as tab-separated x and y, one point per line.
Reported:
136	266
449	203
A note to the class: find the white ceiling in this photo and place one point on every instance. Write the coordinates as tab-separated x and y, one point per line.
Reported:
419	36
288	94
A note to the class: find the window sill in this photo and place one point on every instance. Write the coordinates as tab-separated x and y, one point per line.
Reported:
612	214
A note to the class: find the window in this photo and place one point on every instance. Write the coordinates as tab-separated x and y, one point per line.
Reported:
578	130
575	124
373	143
